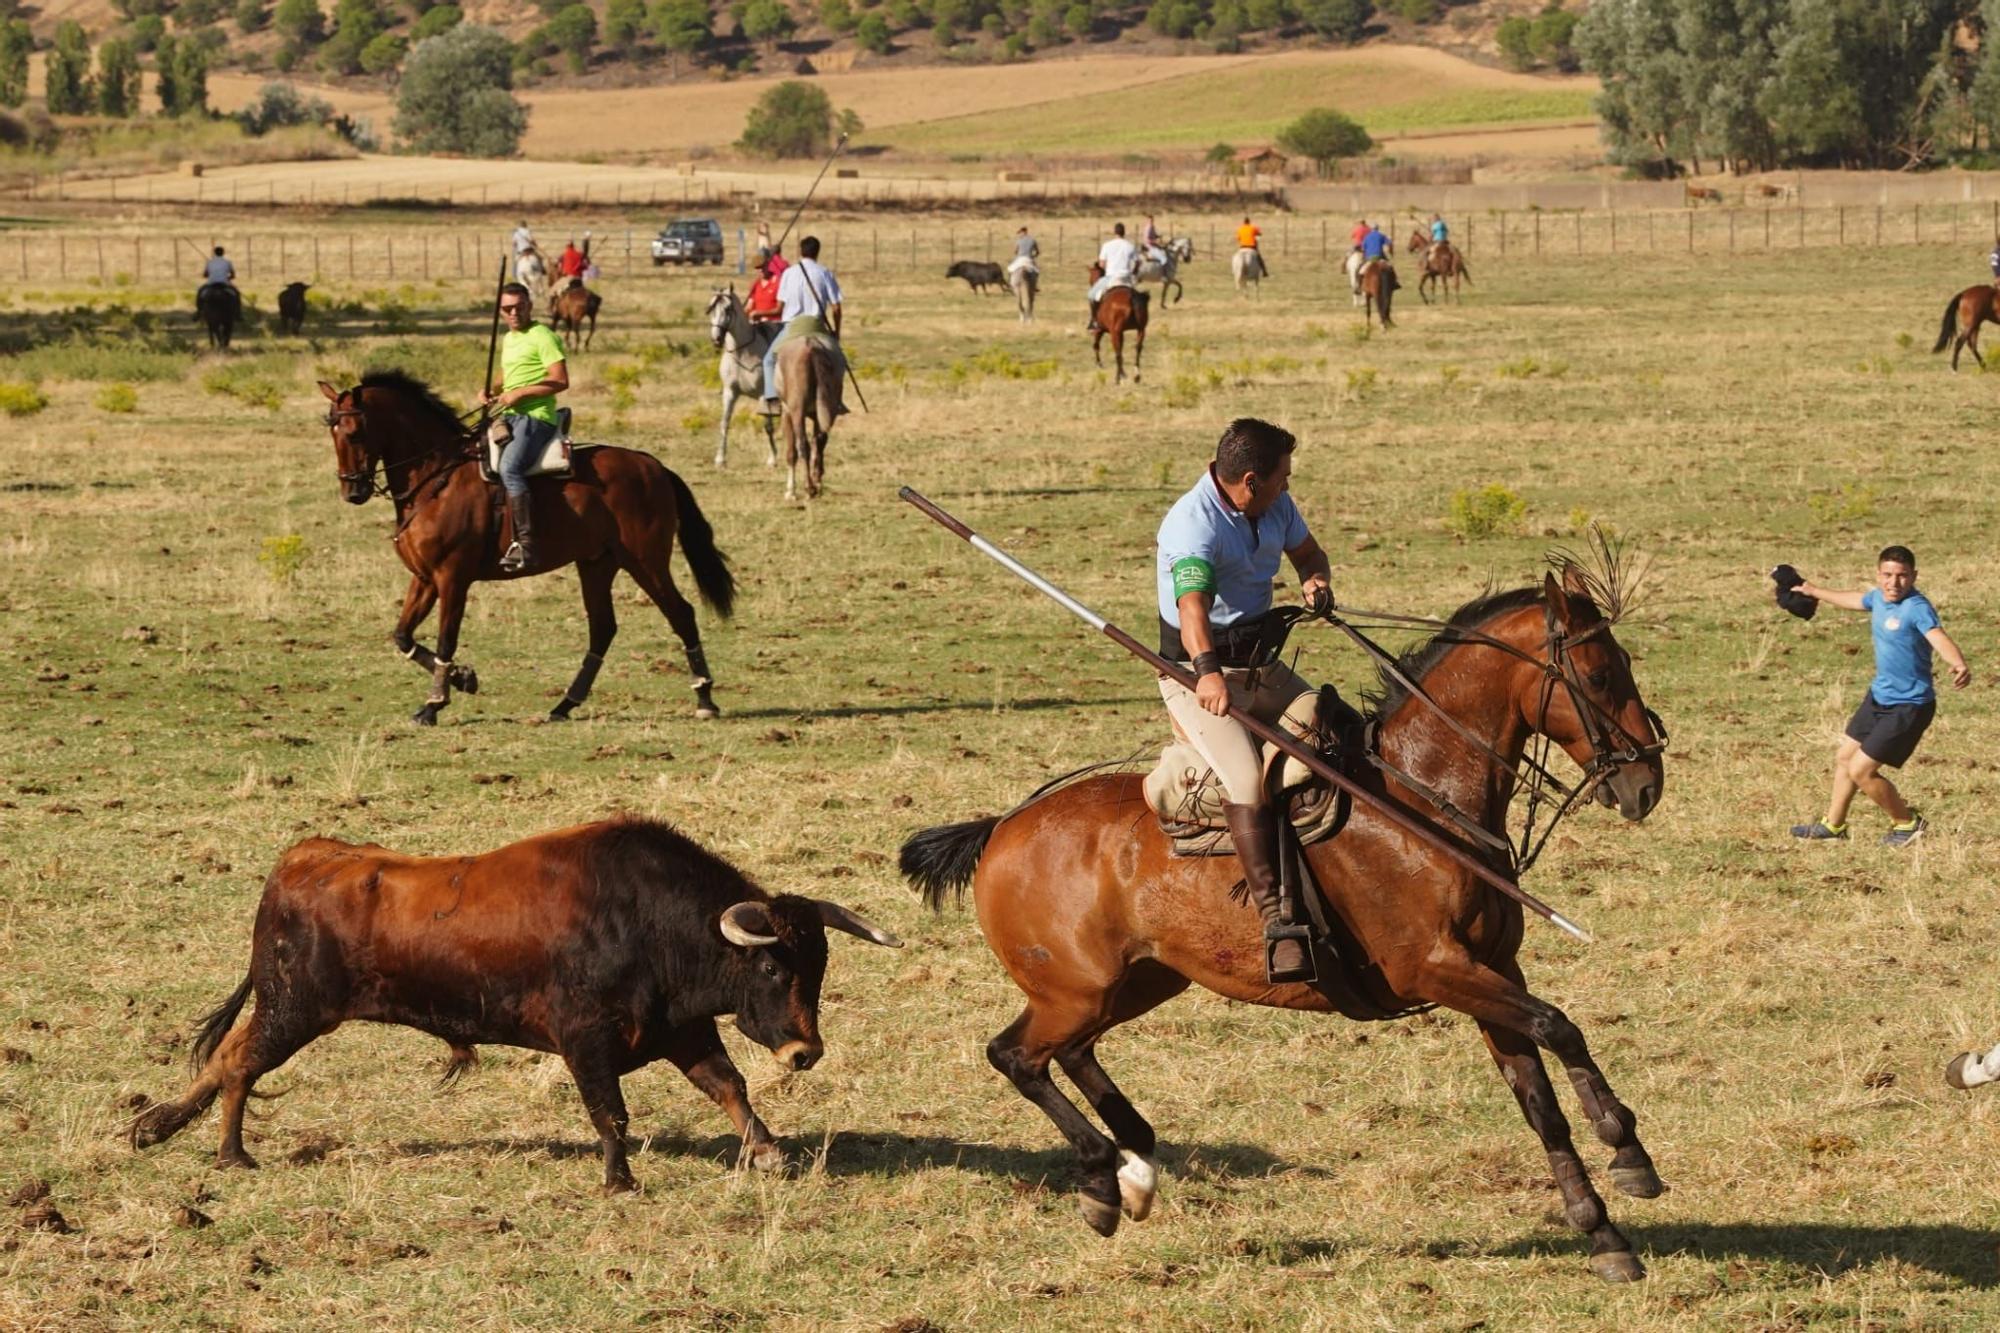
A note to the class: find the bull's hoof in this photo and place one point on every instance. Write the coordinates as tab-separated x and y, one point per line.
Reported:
1138	1186
616	1185
427	716
1617	1266
1639	1182
1101	1217
238	1160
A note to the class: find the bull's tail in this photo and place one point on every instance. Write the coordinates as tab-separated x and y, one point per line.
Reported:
940	861
1945	330
711	568
216	1026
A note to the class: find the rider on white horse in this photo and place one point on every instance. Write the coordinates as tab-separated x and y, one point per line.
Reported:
1026	251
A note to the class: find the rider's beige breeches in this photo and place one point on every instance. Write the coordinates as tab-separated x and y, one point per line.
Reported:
1231	751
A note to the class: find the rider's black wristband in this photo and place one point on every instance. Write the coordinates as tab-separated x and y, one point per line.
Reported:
1205	663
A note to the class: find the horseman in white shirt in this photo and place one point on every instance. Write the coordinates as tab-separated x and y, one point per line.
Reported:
811	299
1120	259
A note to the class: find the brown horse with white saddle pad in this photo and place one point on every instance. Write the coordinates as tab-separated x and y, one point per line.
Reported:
1118	310
1082	898
571	309
1445	267
1963	315
614	509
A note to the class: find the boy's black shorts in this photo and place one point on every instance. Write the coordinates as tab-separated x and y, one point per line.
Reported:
1889	732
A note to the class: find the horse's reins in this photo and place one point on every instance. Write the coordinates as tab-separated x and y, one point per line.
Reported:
377	475
1598	725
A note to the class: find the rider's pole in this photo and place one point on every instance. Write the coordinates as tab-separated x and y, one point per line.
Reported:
839	145
493	340
1263	731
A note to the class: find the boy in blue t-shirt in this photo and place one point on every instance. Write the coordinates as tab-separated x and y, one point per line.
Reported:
1900	702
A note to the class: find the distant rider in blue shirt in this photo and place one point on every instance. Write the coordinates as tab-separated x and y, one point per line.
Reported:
1900	703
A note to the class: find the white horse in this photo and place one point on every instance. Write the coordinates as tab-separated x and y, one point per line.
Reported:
742	344
1023	278
1354	263
532	272
1247	266
1166	269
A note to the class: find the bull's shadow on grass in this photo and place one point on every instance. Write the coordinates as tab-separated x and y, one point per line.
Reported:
1963	1254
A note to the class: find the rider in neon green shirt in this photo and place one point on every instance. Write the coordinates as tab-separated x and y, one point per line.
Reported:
532	373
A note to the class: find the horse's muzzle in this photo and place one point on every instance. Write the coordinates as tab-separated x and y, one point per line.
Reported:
1633	789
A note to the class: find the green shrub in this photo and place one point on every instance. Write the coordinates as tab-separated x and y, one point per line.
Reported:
21	400
1491	510
1525	368
1449	374
1183	391
1360	381
1852	501
119	397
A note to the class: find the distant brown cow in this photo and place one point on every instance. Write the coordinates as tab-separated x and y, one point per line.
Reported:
612	945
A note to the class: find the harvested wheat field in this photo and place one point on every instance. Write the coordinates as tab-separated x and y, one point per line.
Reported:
198	627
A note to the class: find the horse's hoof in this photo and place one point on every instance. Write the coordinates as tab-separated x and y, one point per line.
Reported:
560	713
1617	1266
1954	1073
427	716
1101	1217
465	680
707	712
1138	1185
238	1161
621	1185
764	1157
1638	1182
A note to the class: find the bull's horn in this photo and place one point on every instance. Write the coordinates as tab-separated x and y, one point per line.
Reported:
747	924
835	917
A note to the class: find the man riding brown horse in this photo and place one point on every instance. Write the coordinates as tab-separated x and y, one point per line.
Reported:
1217	553
532	373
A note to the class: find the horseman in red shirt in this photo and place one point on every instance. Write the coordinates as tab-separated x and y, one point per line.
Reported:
763	306
573	261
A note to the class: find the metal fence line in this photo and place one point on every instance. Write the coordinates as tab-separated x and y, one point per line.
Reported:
428	253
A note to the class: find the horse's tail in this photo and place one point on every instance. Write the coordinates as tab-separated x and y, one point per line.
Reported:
940	861
216	1026
591	304
711	568
1946	329
1464	271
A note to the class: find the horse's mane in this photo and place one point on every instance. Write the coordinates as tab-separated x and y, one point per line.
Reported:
1610	579
424	397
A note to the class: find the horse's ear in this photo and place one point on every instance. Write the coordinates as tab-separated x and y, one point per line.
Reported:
1573	580
332	394
1556	601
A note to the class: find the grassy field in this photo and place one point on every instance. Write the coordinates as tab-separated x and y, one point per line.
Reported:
193	691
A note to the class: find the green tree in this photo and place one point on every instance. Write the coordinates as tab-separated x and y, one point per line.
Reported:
383	54
191	79
838	16
872	34
1081	20
767	21
682	27
1516	39
624	24
356	23
1341	20
147	31
1324	136
192	14
1220	155
279	104
1983	96
791	119
299	22
455	95
1418	11
1043	31
16	41
1550	37
573	31
251	16
1266	15
437	19
67	74
117	78
166	70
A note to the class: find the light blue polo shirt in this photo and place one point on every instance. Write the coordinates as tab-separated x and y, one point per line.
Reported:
1902	653
1207	544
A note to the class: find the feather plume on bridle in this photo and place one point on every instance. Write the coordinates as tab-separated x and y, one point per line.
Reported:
1609	573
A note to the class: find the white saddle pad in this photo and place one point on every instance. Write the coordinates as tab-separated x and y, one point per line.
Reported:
555	459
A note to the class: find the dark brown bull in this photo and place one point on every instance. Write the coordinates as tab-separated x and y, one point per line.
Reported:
612	945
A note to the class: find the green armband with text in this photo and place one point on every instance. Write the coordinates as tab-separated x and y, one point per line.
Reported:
1192	574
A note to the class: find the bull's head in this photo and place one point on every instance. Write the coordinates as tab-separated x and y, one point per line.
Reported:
779	962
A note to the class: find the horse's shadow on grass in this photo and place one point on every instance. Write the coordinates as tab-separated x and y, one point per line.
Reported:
938	706
1964	1254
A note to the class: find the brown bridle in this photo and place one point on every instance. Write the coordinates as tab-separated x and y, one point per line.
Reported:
377	473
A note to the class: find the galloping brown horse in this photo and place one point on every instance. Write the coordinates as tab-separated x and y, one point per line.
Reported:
1379	285
1120	309
570	308
620	509
1079	895
1445	266
1963	315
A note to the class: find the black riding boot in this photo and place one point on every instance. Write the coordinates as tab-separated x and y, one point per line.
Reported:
521	555
1254	828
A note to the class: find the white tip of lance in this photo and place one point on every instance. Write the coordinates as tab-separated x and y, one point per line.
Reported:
1565	923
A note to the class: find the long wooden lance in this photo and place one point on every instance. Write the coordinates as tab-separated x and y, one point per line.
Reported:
838	146
1261	730
493	339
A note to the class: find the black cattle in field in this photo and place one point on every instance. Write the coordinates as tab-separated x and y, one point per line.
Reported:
977	275
292	308
612	945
